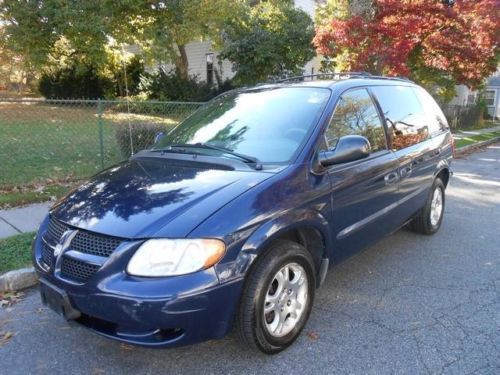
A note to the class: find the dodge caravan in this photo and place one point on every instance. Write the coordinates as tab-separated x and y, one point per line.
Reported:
233	218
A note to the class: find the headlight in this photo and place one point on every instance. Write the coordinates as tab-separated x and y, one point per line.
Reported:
163	257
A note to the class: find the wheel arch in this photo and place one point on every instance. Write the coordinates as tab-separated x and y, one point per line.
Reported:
307	227
444	174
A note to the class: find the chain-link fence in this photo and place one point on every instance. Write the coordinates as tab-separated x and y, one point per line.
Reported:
45	141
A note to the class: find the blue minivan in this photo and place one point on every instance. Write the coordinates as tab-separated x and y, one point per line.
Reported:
235	216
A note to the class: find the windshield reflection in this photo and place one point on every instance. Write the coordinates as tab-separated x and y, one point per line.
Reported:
269	124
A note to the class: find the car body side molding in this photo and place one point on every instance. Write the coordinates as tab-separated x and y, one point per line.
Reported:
367	220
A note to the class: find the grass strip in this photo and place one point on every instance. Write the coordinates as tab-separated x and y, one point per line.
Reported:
15	252
466	141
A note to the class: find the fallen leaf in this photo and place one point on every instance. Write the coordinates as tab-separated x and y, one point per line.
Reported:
5	337
10	298
313	336
126	347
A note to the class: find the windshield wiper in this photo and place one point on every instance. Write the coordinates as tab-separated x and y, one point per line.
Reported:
245	158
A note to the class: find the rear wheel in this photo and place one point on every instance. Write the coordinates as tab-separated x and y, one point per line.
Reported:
277	298
430	217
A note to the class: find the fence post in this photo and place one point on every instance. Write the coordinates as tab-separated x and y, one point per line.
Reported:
100	124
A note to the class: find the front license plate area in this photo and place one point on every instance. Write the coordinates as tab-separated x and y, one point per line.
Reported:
57	300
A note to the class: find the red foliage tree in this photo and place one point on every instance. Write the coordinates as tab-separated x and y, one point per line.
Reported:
403	37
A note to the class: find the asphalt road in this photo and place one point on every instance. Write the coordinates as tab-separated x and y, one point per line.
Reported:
410	304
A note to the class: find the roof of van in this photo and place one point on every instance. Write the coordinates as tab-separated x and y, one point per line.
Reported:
337	79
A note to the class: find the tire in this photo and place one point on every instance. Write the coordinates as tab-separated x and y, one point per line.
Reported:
261	331
427	222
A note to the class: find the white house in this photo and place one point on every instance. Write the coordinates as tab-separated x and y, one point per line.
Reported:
491	96
203	58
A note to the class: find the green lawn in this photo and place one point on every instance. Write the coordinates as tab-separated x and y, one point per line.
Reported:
475	138
15	252
46	148
44	144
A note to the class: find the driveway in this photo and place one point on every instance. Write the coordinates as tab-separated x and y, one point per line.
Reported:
409	304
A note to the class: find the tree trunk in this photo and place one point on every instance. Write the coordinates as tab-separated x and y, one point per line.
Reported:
181	62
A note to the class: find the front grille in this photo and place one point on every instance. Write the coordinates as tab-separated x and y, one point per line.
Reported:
47	255
83	242
77	270
55	230
94	244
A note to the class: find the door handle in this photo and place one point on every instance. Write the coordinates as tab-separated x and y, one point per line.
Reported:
406	171
391	178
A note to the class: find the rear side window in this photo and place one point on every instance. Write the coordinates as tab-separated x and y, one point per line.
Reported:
356	114
437	120
404	115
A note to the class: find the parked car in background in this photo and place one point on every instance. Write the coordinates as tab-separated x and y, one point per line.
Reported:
237	214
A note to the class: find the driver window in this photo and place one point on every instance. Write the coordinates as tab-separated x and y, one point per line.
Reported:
356	114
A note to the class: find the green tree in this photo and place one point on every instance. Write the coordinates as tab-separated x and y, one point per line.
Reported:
273	38
164	28
33	29
160	28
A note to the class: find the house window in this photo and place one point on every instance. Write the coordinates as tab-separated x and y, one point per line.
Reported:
489	98
210	68
471	98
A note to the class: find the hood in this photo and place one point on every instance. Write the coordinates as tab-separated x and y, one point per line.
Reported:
152	197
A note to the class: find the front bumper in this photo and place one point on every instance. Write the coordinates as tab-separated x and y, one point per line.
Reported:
154	312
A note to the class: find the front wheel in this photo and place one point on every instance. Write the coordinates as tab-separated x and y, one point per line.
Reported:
277	298
430	217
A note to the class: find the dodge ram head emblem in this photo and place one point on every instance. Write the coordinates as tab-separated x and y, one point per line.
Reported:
64	242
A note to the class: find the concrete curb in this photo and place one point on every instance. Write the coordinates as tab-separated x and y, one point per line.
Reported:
18	279
466	149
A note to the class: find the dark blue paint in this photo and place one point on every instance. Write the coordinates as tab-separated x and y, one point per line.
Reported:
150	197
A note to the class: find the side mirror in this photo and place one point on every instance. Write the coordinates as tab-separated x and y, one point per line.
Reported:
349	148
159	136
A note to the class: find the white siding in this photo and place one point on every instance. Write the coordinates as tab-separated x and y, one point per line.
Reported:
492	83
462	92
312	67
197	60
494	110
308	6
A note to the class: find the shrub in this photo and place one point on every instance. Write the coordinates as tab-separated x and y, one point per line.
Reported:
142	136
135	73
171	87
75	81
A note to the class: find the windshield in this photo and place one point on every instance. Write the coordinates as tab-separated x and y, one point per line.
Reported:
268	124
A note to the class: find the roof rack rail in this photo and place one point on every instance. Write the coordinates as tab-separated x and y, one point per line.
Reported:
337	75
340	75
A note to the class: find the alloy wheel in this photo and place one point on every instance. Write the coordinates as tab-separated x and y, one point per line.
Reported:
285	300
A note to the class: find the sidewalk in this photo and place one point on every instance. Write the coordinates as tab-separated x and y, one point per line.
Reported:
468	133
25	219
